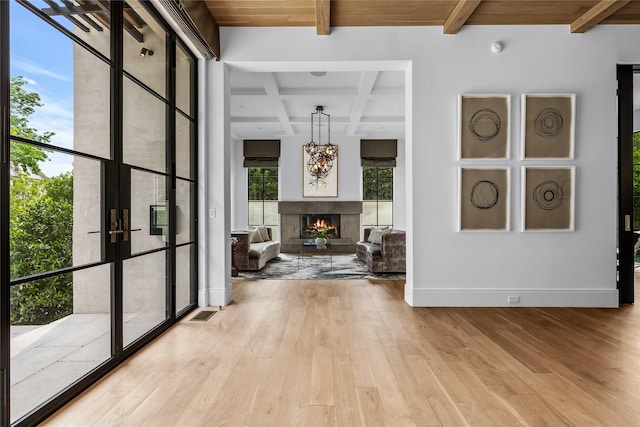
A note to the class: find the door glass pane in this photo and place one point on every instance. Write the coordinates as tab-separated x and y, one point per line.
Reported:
184	255
144	129
92	27
183	80
184	131
60	331
144	294
144	53
148	211
184	194
53	216
59	90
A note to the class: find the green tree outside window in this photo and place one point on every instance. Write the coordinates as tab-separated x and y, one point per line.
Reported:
41	220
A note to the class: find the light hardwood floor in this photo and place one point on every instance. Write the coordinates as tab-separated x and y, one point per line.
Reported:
349	353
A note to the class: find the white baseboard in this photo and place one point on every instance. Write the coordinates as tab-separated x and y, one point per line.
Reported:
603	298
214	296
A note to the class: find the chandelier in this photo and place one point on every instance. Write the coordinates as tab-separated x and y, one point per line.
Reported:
321	156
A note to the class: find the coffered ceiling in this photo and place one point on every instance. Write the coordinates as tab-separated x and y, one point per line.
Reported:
274	105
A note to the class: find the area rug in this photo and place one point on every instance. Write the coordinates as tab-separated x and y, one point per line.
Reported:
317	267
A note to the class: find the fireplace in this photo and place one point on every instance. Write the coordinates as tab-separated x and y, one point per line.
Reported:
295	220
319	221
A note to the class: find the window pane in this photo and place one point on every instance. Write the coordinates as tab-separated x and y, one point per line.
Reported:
369	213
255	188
271	188
93	28
385	213
271	213
144	294
148	203
59	90
51	216
369	184
144	48
184	255
184	130
59	333
636	213
144	129
377	195
184	194
255	213
184	66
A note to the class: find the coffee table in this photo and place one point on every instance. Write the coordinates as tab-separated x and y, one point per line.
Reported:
310	249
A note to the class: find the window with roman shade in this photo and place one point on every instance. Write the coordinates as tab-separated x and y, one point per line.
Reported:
261	153
378	160
378	152
261	160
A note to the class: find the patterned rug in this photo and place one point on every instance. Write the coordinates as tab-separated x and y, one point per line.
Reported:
317	267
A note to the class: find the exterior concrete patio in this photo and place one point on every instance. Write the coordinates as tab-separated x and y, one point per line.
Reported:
46	359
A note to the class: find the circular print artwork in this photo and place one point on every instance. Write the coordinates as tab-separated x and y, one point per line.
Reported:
548	195
548	123
485	194
485	124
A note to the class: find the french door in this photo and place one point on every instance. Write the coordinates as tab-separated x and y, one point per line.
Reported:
97	194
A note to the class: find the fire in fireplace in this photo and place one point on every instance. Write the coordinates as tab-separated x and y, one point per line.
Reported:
315	222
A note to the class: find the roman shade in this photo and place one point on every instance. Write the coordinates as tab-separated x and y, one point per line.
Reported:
378	152
261	153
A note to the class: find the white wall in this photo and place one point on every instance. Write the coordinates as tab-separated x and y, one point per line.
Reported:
445	267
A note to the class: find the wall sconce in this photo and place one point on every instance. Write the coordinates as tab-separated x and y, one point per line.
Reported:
144	52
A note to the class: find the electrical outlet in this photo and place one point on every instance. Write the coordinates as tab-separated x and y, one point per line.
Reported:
512	299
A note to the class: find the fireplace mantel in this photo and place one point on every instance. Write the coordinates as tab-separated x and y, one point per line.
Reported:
349	223
319	207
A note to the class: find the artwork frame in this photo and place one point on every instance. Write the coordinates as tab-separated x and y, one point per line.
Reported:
484	198
313	187
484	126
548	126
548	198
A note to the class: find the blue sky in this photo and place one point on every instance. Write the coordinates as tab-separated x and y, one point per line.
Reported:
44	57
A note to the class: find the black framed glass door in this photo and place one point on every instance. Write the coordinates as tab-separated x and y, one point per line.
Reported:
627	176
97	194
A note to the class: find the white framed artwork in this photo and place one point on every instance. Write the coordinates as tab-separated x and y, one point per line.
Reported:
483	126
548	198
483	198
548	126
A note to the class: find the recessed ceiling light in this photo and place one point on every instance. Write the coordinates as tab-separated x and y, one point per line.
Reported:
318	73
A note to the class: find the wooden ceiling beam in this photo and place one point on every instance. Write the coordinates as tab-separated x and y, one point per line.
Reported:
459	15
323	17
597	14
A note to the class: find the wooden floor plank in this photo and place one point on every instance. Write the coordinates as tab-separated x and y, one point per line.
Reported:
349	353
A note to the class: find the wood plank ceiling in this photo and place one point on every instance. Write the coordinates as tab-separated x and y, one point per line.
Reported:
452	15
